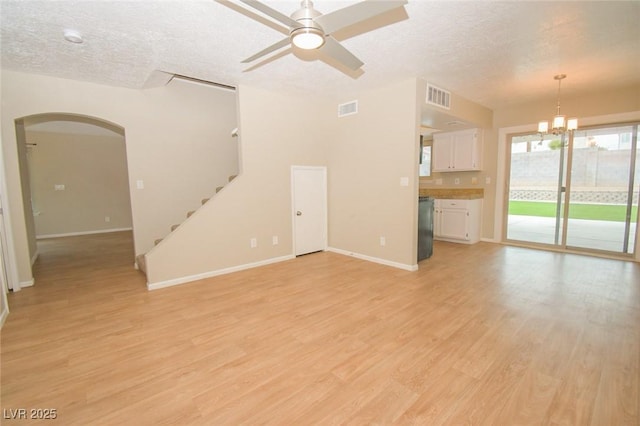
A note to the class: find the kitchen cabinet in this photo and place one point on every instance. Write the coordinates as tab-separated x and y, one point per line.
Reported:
457	151
457	220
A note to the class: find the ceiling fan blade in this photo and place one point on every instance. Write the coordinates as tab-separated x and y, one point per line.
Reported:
279	45
255	16
268	60
335	50
284	19
342	18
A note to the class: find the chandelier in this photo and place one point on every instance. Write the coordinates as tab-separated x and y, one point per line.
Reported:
559	124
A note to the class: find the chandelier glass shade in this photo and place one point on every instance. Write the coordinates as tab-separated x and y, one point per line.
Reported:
560	123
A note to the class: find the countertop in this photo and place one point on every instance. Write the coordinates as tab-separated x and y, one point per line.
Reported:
453	193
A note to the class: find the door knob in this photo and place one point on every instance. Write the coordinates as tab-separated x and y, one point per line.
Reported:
298	213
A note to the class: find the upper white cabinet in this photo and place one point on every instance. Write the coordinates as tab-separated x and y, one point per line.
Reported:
457	151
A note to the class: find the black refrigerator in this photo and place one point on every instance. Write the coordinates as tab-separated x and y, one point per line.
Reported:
425	228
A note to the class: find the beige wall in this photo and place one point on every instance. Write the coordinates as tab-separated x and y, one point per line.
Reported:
368	155
93	170
623	99
172	135
25	189
276	132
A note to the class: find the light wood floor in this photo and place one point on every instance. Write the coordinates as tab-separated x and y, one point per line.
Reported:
482	334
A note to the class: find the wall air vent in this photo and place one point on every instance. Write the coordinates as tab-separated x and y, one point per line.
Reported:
438	97
348	108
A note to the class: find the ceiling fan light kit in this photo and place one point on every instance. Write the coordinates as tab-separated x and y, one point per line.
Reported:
307	38
309	29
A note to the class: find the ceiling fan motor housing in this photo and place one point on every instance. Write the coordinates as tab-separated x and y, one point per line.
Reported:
305	16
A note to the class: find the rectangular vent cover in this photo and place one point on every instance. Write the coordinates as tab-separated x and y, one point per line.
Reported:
438	97
348	108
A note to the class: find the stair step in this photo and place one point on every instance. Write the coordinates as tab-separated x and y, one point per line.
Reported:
190	213
156	242
174	227
232	177
204	200
218	189
142	263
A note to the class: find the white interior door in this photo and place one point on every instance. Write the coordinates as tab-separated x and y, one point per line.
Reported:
309	203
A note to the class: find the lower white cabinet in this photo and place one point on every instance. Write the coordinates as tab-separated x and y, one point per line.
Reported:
457	221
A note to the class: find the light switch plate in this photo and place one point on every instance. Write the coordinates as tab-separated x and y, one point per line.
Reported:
140	184
404	181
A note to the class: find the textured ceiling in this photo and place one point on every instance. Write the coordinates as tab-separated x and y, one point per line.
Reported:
493	53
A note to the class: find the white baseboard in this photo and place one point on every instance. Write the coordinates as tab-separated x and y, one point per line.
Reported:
75	234
28	283
489	240
3	317
210	274
404	266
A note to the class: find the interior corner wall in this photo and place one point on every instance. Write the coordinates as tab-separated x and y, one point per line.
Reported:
170	132
369	154
276	132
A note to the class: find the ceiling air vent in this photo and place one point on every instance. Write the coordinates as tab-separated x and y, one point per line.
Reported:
348	108
438	97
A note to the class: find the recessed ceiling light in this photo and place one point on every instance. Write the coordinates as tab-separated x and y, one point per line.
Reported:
73	36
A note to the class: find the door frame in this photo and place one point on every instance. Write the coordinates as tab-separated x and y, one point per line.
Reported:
10	281
323	169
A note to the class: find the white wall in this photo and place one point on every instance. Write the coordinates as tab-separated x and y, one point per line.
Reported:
170	134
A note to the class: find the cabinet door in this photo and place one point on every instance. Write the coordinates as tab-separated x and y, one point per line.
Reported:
442	158
465	151
437	219
454	223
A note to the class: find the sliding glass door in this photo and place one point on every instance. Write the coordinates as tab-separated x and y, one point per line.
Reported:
577	192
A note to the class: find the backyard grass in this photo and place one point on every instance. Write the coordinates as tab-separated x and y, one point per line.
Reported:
609	212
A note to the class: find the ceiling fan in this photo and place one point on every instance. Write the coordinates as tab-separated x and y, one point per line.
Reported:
311	30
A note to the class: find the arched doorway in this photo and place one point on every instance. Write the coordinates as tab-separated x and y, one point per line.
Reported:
74	177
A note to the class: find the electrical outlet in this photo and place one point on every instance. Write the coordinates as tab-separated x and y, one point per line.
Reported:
107	219
140	184
254	242
275	240
474	180
383	241
456	181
